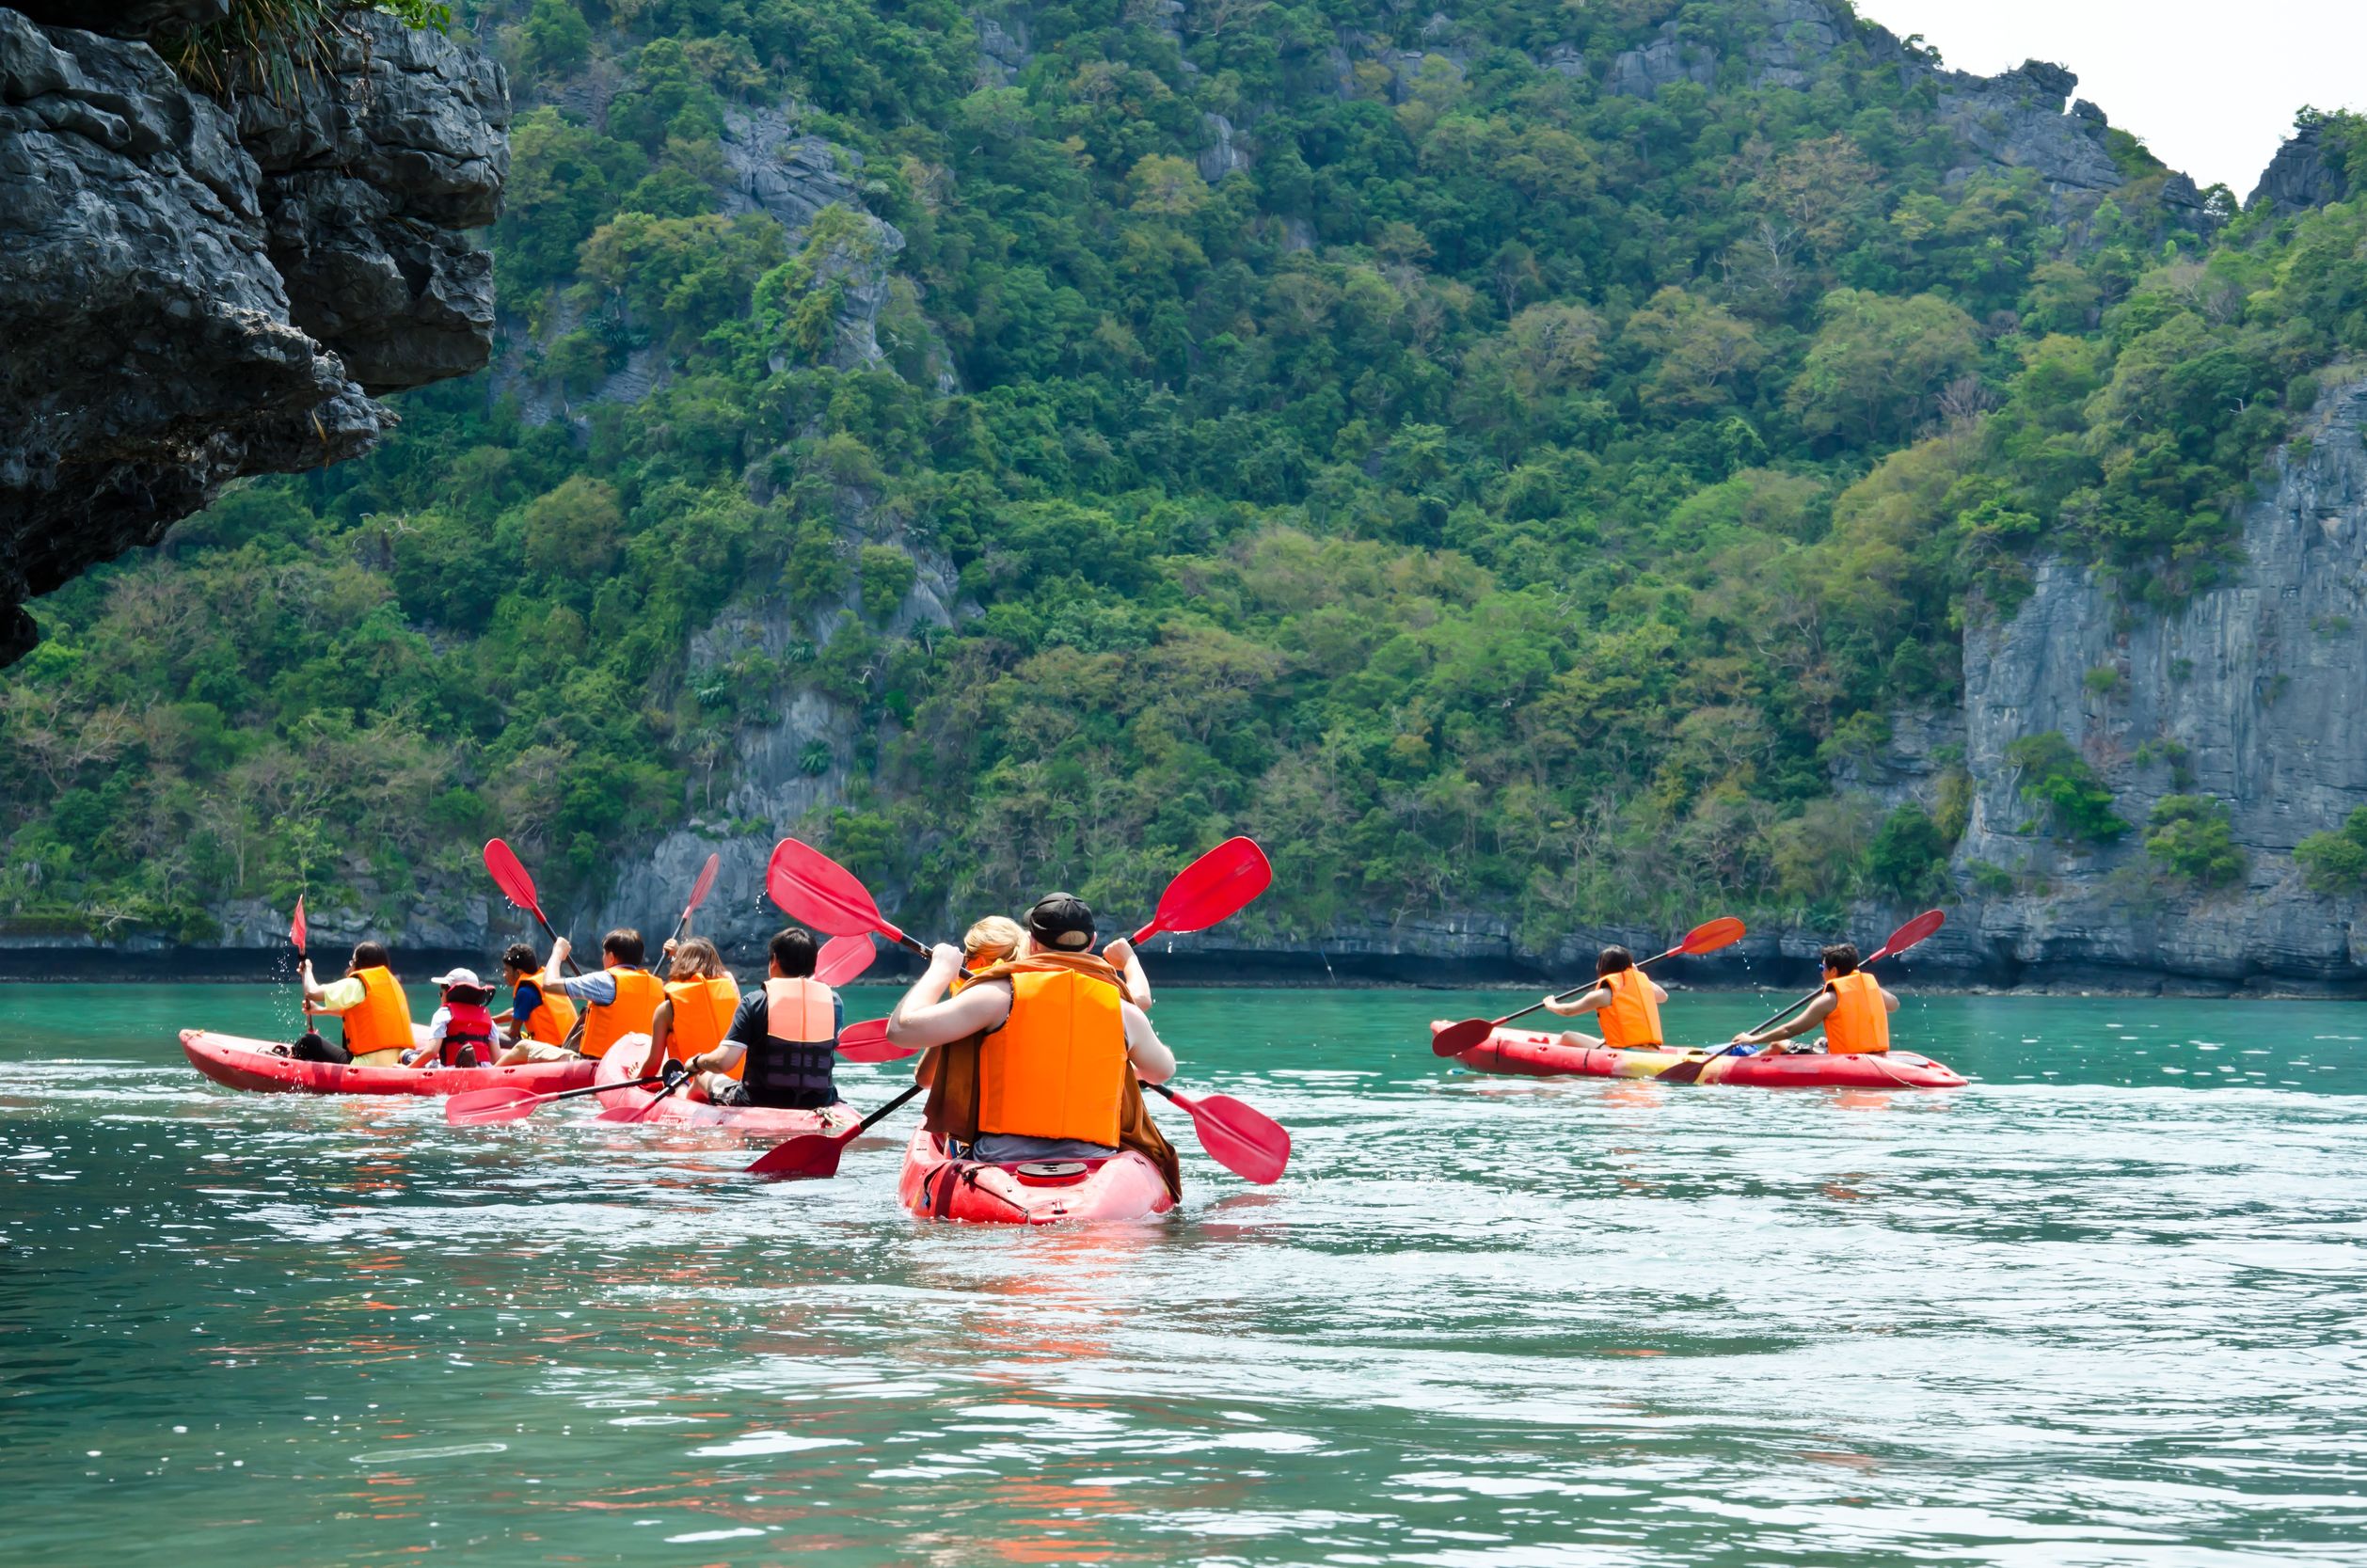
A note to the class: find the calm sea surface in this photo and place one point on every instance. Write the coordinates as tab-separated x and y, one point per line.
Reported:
2106	1306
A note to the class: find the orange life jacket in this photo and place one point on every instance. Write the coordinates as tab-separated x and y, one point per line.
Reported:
638	994
702	1012
381	1021
1056	1068
794	1064
1859	1024
552	1020
1631	1018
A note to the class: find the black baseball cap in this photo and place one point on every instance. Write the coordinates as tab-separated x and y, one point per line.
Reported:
1063	921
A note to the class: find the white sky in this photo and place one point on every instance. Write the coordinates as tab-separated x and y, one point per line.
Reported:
2211	86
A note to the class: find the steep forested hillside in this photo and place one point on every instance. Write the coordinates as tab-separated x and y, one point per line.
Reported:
1515	457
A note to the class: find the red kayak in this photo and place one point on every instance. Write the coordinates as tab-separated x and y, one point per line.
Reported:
1533	1053
1125	1186
680	1110
244	1063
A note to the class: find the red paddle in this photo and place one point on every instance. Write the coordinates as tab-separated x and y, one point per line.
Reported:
1216	887
810	886
1901	940
519	888
1455	1038
1244	1140
868	1041
699	890
815	1154
842	958
295	927
512	1104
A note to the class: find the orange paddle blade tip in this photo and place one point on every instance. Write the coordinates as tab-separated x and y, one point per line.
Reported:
1455	1038
1724	931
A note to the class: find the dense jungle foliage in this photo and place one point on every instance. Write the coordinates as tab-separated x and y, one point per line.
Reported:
1503	494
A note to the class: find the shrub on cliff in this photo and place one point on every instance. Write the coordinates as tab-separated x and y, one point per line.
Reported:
1909	857
2188	838
2059	781
2335	863
271	46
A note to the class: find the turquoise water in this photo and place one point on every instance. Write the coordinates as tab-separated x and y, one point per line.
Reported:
2103	1306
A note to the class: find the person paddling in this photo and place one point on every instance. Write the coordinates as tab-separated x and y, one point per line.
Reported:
535	1013
783	1042
1056	1035
619	998
1627	1000
702	1000
461	1032
370	1000
1853	1007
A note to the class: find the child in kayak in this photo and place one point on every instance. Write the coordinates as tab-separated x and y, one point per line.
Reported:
370	1000
461	1032
1627	1001
1853	1007
783	1038
534	1014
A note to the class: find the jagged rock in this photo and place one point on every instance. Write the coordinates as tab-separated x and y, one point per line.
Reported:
769	784
2299	179
1003	48
367	180
1564	59
2017	121
2255	679
1643	73
1802	33
156	350
1221	156
791	176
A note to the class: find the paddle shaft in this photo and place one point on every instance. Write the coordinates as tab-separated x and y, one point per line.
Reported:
598	1088
1777	1017
1580	990
881	1115
544	921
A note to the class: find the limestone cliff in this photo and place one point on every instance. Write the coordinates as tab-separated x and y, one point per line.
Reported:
2248	693
191	293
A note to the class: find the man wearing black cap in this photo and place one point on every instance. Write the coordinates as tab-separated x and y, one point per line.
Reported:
1057	1036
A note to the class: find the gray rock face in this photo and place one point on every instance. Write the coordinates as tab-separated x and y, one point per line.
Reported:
1003	46
770	783
1803	32
182	308
791	176
2299	179
1643	73
2249	694
1223	155
2017	121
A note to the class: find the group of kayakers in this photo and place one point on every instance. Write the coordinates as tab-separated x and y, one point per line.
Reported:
1036	1044
1853	1007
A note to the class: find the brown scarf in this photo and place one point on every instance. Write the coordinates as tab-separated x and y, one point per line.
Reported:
951	1072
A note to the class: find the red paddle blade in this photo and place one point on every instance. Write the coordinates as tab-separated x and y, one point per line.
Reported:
800	1159
1724	931
810	886
477	1106
509	876
1215	887
868	1042
705	884
1912	932
844	957
295	927
1245	1141
1455	1038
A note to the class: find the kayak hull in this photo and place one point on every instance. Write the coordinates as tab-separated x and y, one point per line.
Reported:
678	1111
1533	1053
248	1064
1125	1186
